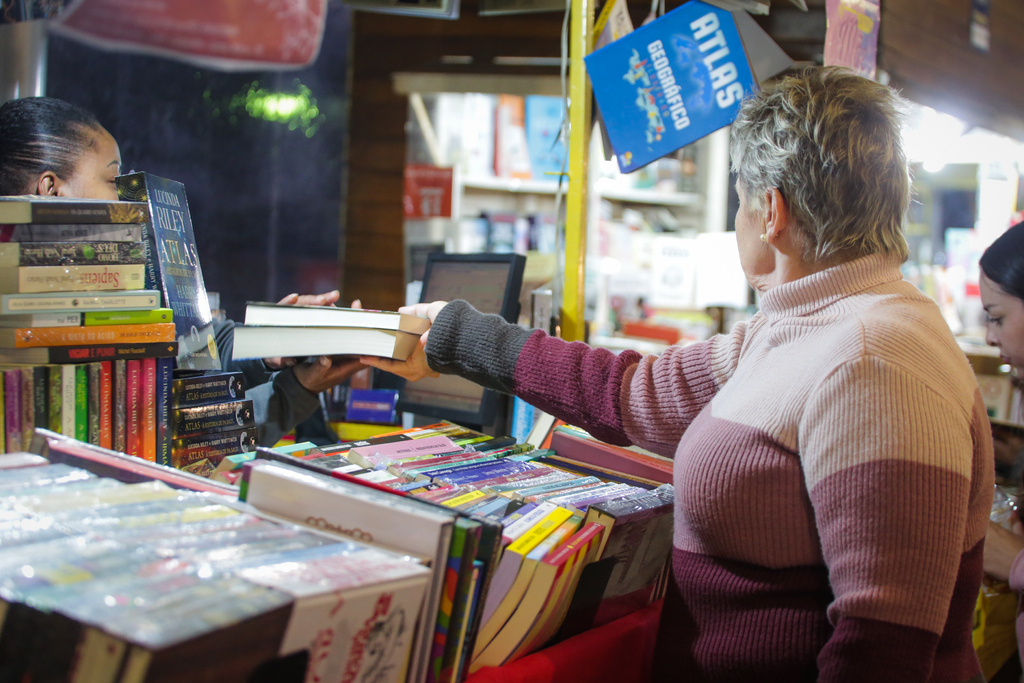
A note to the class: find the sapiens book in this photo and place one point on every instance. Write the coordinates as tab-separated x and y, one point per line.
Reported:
70	253
270	342
86	353
78	301
36	279
63	210
670	82
172	265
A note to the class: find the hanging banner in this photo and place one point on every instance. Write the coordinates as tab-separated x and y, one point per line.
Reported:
428	191
851	36
231	35
12	11
679	78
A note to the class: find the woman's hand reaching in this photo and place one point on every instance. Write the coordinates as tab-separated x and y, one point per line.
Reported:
414	367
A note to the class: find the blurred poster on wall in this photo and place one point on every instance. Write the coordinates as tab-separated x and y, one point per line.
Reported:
851	36
427	191
230	35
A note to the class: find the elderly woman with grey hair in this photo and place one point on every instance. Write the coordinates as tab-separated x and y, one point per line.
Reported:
833	463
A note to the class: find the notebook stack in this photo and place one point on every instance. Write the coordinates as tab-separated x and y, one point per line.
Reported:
85	350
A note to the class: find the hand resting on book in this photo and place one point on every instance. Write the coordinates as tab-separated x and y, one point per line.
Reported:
318	373
414	367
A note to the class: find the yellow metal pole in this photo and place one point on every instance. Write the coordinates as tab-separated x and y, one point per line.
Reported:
580	30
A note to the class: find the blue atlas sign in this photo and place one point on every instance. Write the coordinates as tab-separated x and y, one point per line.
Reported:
670	82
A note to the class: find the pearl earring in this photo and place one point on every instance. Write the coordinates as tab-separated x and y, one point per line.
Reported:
764	237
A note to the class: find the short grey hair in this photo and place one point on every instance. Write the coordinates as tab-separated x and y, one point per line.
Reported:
830	142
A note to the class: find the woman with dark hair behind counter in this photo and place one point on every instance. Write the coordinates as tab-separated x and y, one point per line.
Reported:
54	148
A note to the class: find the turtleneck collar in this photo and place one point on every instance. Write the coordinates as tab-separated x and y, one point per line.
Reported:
814	292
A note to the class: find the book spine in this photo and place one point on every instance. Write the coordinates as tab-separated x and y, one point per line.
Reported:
12	410
87	214
41	320
212	447
133	406
71	253
34	337
106	404
96	352
120	421
128	317
73	303
32	279
191	392
3	417
148	409
220	417
28	416
41	396
95	371
54	394
164	370
81	403
67	400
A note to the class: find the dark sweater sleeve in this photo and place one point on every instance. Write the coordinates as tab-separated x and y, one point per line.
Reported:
572	381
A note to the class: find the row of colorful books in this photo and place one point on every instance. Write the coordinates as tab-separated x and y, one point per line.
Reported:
529	545
136	407
106	580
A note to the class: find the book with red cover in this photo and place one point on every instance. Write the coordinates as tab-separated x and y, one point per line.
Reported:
60	449
12	410
133	408
147	411
106	404
584	448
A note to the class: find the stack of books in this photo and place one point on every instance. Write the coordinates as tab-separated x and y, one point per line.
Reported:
102	580
272	330
528	545
210	419
85	350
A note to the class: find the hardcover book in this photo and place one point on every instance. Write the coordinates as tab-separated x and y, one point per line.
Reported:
34	337
78	301
173	266
205	389
12	409
213	448
70	253
62	210
87	353
113	232
35	279
219	417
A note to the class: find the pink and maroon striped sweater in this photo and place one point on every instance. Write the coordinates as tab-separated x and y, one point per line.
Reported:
833	475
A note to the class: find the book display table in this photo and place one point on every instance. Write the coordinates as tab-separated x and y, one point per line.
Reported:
618	652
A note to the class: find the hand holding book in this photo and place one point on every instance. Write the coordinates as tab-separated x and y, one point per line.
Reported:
415	367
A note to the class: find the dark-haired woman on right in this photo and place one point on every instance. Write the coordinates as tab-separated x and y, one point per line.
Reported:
1002	295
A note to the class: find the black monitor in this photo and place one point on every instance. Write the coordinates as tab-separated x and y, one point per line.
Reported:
491	283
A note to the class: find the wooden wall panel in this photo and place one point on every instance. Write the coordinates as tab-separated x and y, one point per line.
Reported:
925	47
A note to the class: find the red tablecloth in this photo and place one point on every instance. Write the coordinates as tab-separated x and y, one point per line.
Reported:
618	652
